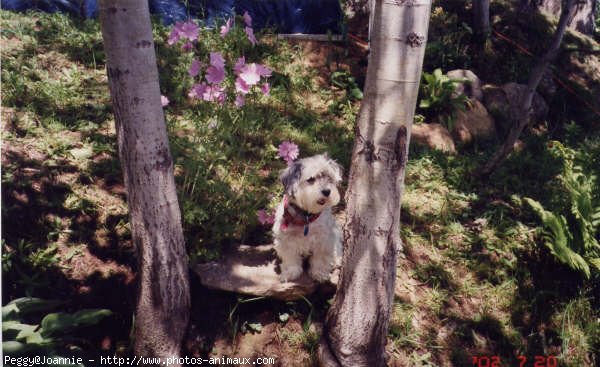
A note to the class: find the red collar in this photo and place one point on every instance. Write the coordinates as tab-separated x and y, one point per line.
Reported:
293	215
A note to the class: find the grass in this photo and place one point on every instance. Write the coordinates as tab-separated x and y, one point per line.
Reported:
478	282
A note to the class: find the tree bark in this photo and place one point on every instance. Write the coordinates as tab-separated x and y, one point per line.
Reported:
481	19
162	309
522	119
357	324
583	19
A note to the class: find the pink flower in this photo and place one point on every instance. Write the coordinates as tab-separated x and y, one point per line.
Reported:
189	30
215	75
288	151
247	19
217	60
251	37
194	68
188	46
241	86
174	36
197	90
239	65
214	93
226	28
265	218
264	70
184	30
239	100
265	89
250	74
164	101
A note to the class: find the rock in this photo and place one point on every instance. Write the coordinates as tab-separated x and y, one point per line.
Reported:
471	88
514	93
503	103
473	124
252	270
435	136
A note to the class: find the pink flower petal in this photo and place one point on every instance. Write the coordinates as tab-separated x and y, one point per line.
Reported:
164	101
288	151
173	37
239	65
251	37
249	74
188	46
217	60
197	90
215	75
194	68
264	217
241	86
226	28
189	30
265	89
247	19
264	70
239	100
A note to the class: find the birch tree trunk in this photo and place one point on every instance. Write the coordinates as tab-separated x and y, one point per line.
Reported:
357	324
162	309
481	19
522	119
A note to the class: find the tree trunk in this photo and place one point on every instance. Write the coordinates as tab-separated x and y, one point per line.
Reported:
522	119
481	19
357	323
162	309
583	20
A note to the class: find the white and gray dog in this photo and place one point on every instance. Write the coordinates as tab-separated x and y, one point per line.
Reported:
304	225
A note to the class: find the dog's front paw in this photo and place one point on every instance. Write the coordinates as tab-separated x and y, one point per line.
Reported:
290	273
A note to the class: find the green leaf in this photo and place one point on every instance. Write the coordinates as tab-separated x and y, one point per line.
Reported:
57	322
15	349
27	305
90	316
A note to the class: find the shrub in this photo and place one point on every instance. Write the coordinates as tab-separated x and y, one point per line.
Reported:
570	232
437	97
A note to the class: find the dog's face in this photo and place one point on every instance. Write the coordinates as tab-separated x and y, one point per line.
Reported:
311	183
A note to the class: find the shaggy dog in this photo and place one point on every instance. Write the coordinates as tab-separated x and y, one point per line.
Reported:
304	225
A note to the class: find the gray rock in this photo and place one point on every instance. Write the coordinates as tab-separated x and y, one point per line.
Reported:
503	103
435	136
475	123
252	270
471	88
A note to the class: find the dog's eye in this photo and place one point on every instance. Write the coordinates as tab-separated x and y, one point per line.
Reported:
311	180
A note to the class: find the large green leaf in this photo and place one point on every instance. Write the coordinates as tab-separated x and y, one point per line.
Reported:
14	348
27	305
57	322
558	238
90	316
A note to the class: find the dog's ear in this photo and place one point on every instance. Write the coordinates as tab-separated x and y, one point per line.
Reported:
290	177
336	168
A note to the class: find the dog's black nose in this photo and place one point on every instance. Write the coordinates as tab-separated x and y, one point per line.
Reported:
326	192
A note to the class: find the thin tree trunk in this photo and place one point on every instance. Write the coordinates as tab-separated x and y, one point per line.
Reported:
357	324
481	19
523	114
583	19
162	309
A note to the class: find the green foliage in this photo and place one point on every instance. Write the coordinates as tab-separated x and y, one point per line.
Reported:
53	336
570	233
344	81
448	43
437	97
